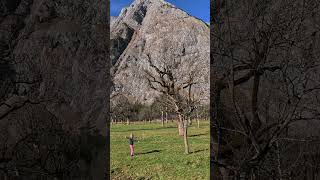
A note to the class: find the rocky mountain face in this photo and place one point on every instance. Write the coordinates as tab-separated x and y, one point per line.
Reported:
112	20
165	33
54	70
59	48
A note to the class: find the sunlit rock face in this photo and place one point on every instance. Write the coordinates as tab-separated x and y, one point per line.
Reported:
165	33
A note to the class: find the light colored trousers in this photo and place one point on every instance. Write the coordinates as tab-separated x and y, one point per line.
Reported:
131	150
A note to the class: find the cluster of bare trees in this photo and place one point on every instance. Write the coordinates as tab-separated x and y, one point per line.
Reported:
265	89
125	110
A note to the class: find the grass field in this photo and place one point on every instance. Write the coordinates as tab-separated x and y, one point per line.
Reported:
159	152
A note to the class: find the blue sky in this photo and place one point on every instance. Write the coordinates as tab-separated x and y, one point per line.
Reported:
197	8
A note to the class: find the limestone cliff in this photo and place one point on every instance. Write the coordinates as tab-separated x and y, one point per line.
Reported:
166	33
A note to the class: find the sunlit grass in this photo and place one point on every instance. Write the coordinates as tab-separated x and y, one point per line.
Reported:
160	152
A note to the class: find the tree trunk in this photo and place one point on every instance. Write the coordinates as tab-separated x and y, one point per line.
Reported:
198	123
198	118
166	117
180	126
279	161
190	121
162	119
215	133
185	137
128	122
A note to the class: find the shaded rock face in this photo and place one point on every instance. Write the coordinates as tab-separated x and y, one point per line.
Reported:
166	33
62	46
55	54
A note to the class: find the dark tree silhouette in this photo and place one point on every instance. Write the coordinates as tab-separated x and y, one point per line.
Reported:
264	86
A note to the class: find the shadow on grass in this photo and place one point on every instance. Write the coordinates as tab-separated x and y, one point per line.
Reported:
145	129
195	135
199	151
149	152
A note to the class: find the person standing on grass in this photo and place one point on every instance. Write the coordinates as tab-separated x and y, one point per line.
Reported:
131	145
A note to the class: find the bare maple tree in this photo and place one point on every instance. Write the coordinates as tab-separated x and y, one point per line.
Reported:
165	77
264	85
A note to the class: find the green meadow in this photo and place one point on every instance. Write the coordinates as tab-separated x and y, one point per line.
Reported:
159	152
